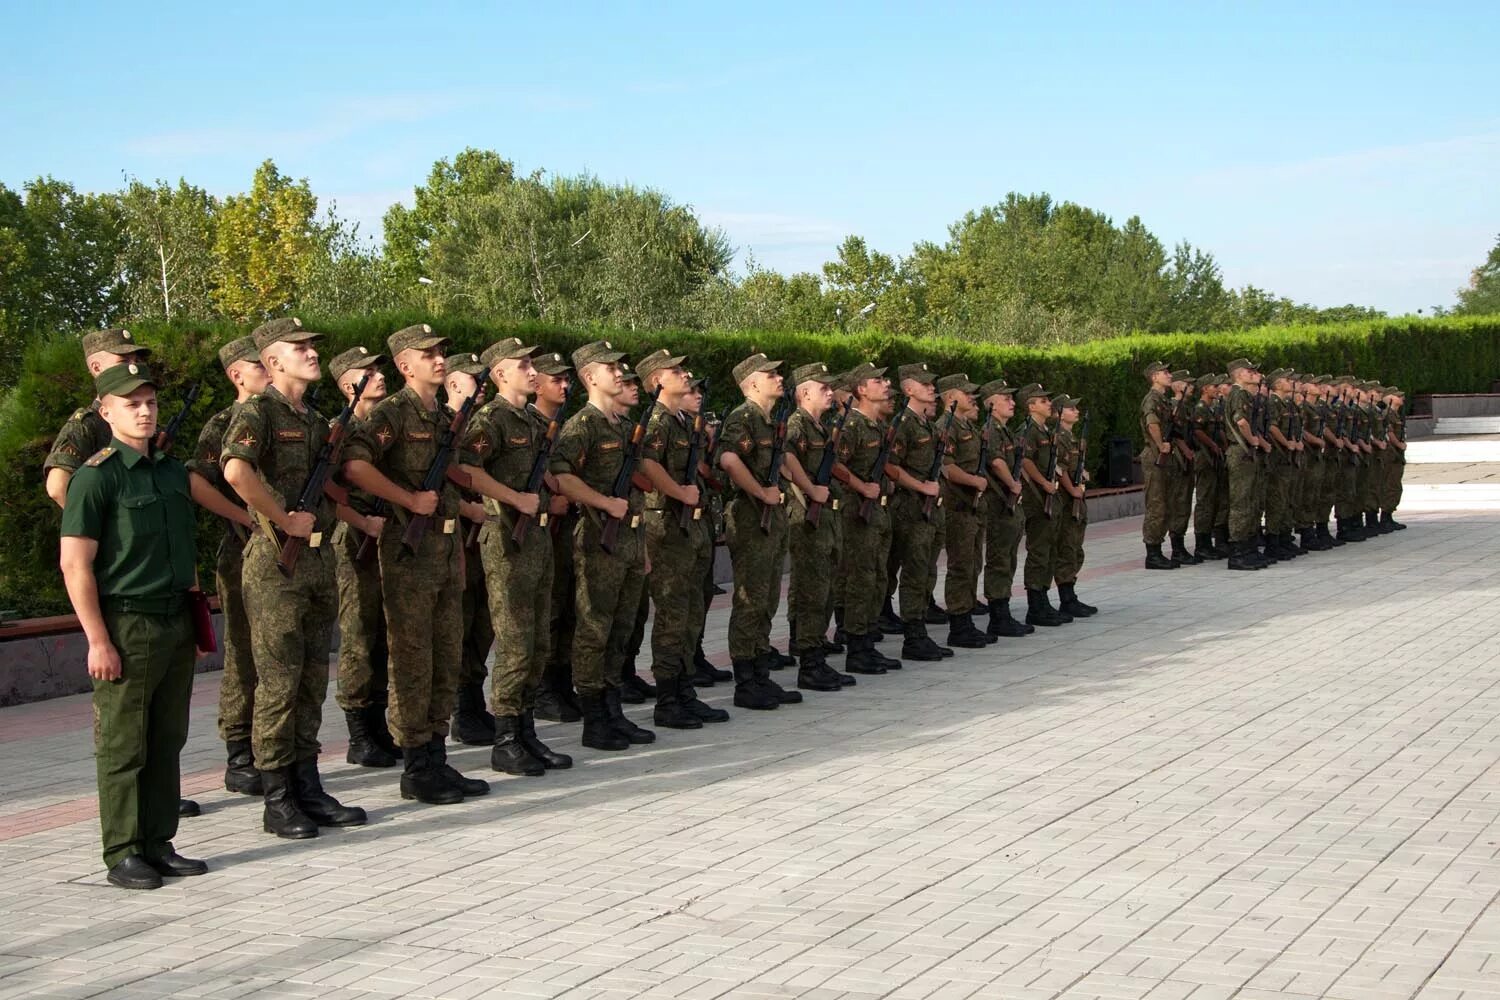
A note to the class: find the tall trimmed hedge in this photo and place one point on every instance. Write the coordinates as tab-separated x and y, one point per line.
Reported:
1434	355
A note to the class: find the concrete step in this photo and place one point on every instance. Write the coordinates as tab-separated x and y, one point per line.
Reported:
1467	425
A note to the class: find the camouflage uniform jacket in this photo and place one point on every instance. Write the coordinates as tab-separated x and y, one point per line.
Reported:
668	437
593	448
84	434
282	444
400	438
503	440
963	451
750	433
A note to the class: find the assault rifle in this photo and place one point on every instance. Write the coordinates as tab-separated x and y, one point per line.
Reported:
1051	473
1076	474
938	451
623	485
1294	424
1170	431
1017	458
438	470
536	480
289	547
882	456
825	467
691	476
781	414
983	466
168	434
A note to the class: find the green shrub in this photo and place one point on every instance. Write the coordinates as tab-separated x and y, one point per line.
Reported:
1434	355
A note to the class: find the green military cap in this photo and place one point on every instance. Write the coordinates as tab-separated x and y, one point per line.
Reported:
354	359
238	349
600	352
1204	381
287	328
860	372
1182	375
995	387
508	349
469	364
917	372
815	372
1241	363
1063	401
658	360
1028	392
697	383
123	379
754	363
1276	373
551	363
114	341
1157	366
417	337
627	374
959	381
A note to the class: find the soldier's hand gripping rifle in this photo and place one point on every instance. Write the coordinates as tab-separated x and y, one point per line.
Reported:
623	485
1294	425
784	408
164	437
824	473
536	480
1051	475
878	470
438	470
1168	432
692	475
1076	473
290	546
982	468
933	471
1017	462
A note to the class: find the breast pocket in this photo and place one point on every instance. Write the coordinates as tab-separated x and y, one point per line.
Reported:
142	516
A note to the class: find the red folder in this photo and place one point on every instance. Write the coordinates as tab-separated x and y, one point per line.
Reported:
203	622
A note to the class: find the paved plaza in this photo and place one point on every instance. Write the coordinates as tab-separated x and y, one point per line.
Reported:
1251	785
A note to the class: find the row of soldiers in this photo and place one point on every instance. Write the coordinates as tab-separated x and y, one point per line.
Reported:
1264	461
424	522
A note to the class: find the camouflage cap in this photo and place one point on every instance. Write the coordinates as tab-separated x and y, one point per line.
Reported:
859	373
1204	381
238	349
754	363
354	359
1241	363
697	383
958	381
288	328
508	349
115	341
815	372
1276	373
551	363
469	364
996	387
1063	401
1156	366
917	372
600	352
658	360
1030	391
417	337
628	374
123	379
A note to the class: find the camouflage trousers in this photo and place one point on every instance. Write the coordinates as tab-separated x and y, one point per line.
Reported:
291	629
1207	496
1310	490
423	598
680	560
474	610
1370	476
1158	483
362	649
1179	494
237	683
912	539
1346	496
608	595
963	543
1244	493
1395	469
939	543
1003	528
812	550
1071	525
1041	538
1279	495
835	519
867	546
758	558
518	590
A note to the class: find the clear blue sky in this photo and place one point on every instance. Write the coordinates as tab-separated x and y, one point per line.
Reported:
1329	152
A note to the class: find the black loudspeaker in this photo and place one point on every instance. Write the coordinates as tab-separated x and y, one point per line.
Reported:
1118	455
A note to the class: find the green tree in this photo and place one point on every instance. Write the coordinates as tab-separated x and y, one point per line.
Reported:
347	275
1482	296
410	232
265	241
168	258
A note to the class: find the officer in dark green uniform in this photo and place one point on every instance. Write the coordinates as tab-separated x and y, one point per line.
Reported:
128	563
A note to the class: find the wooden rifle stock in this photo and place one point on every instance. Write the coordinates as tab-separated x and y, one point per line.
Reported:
825	468
609	534
437	472
867	505
536	482
291	546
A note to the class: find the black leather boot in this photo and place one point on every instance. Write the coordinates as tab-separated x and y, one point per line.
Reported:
1001	622
551	759
1203	547
187	809
634	689
283	816
1068	602
703	668
779	660
1154	560
1329	541
421	780
747	690
936	614
1180	553
1372	523
379	731
363	750
670	712
598	734
437	750
701	711
888	621
861	658
621	724
918	645
814	674
1039	610
963	634
1349	530
509	755
762	666
1388	519
320	807
240	774
1242	555
473	725
555	700
1221	542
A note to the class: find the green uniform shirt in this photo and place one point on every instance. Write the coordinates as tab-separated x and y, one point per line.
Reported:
750	434
1238	408
914	445
592	447
1003	442
84	434
859	445
963	451
1155	409
503	441
140	512
669	436
1039	443
400	438
1067	451
808	439
1279	416
282	444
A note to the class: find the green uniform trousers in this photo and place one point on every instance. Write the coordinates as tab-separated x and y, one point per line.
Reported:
813	553
518	590
237	683
867	546
1069	546
291	630
1279	495
608	596
141	724
758	558
1346	496
939	543
1207	497
1244	514
423	596
680	561
963	541
912	539
363	657
474	607
1394	471
1003	527
1041	538
1179	493
1158	483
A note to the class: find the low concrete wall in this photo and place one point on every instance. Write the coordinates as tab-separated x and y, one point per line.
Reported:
1468	404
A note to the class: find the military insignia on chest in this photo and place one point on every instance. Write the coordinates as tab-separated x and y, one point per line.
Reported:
519	440
418	435
481	445
292	434
384	436
609	445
